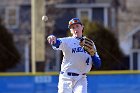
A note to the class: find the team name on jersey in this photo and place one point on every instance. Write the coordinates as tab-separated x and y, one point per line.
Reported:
78	49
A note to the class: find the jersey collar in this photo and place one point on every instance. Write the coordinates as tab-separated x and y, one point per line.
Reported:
79	38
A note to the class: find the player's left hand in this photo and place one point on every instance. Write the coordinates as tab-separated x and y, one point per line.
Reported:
88	45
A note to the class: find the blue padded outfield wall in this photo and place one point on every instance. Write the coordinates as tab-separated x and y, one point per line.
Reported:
98	82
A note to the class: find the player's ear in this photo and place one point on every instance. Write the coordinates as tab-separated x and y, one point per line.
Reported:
70	31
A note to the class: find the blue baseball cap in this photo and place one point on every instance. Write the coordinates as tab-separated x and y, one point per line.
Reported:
74	21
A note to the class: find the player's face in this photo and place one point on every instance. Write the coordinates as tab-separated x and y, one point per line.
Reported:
76	30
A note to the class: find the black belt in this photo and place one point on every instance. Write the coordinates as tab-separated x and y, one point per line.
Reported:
72	74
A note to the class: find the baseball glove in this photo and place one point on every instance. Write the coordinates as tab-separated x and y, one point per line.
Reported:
88	45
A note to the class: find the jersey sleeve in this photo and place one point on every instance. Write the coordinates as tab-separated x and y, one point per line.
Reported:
61	45
96	59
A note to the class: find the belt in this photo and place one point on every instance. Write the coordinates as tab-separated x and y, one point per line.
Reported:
72	74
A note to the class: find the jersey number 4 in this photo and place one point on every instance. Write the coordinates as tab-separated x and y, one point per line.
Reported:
87	61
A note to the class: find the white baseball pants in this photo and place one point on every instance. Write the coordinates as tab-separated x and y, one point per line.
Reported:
72	84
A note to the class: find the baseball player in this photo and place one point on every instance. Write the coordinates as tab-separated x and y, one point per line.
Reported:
79	54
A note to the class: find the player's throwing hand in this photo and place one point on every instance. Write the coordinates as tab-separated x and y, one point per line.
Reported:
51	39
